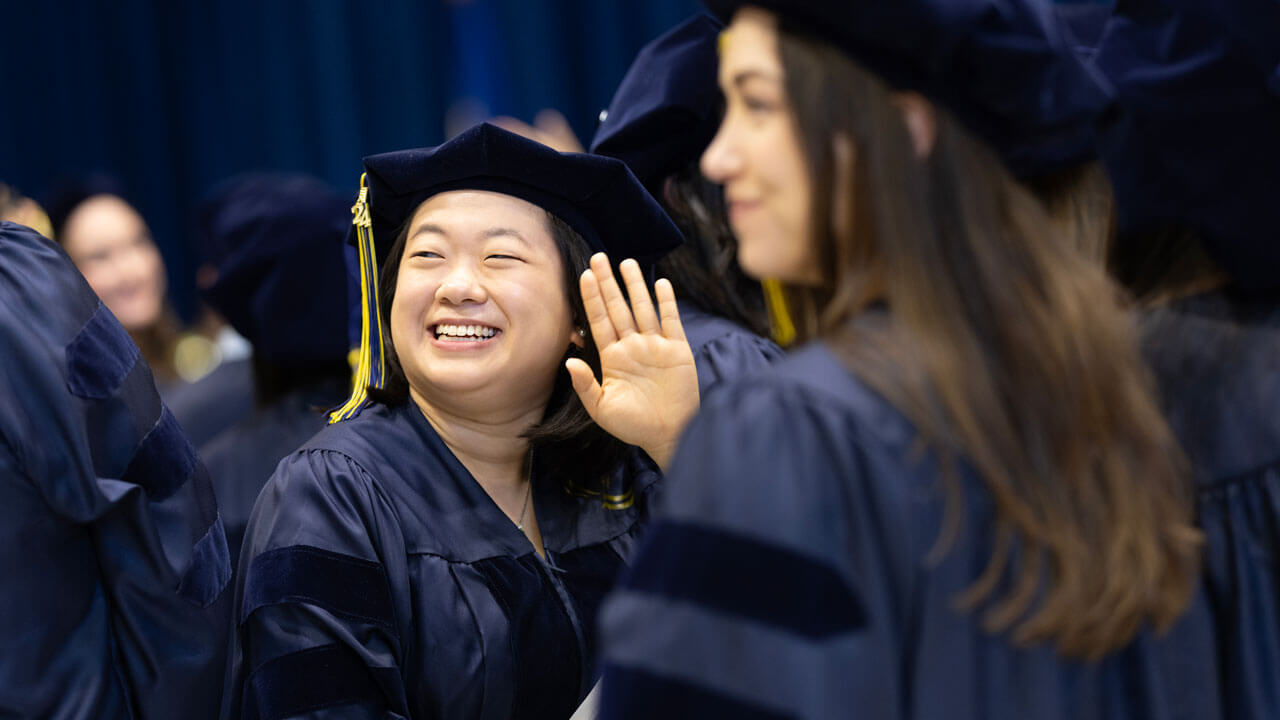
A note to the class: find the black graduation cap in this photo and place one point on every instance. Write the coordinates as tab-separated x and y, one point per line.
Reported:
668	107
597	196
273	240
1003	67
1196	139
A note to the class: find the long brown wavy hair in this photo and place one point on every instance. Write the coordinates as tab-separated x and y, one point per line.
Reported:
1007	347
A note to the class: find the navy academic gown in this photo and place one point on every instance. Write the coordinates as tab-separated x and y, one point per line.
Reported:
111	552
1217	361
722	349
786	577
215	402
242	457
378	579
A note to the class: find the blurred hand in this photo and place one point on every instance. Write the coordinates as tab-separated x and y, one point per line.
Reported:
549	128
649	386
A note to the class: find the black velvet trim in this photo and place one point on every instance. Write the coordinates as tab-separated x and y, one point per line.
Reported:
543	641
341	584
744	577
100	356
631	693
163	461
210	568
115	425
309	680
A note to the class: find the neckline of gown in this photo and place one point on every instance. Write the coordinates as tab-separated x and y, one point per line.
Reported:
494	525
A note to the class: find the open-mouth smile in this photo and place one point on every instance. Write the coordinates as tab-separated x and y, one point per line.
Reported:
458	333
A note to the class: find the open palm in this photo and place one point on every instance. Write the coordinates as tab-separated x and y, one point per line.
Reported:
649	384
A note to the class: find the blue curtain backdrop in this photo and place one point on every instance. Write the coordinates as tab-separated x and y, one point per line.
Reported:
174	97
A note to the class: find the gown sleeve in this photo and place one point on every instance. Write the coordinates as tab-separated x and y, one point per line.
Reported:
113	555
729	352
753	595
321	597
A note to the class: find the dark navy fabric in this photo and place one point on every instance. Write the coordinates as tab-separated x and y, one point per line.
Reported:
479	625
1194	140
215	402
668	107
110	545
329	677
597	196
1217	361
1083	21
722	349
276	242
1004	67
241	458
787	576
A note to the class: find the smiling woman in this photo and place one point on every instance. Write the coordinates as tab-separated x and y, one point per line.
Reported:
440	549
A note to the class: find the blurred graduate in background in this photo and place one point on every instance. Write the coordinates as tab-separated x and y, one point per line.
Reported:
1194	154
111	245
17	208
661	118
275	243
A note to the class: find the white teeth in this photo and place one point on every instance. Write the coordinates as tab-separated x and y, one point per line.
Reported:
474	332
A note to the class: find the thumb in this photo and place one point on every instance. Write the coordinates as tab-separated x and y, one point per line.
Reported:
584	383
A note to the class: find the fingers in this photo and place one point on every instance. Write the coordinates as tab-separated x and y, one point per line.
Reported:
584	384
672	328
641	306
615	304
597	315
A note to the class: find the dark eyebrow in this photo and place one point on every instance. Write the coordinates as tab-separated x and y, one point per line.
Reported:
431	228
497	231
428	228
746	76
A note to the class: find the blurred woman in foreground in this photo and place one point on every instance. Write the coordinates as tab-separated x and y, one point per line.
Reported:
959	498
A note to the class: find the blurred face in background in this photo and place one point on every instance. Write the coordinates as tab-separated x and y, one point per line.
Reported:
112	247
756	155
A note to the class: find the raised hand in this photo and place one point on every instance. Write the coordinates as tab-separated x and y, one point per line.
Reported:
649	385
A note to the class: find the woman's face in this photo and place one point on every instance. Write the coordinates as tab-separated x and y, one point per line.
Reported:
110	244
480	310
756	155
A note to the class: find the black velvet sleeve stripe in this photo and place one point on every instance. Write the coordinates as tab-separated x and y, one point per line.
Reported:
744	577
99	357
632	693
163	460
309	680
210	568
341	584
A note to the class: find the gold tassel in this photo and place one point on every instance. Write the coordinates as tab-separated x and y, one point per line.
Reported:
784	330
369	365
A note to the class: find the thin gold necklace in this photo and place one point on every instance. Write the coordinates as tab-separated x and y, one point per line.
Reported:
528	491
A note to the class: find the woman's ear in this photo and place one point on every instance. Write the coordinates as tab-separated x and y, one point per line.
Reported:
578	338
921	120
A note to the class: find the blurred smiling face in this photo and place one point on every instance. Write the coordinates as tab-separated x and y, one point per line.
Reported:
756	155
480	304
112	248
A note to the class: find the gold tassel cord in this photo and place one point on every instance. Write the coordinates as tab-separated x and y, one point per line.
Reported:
784	330
369	365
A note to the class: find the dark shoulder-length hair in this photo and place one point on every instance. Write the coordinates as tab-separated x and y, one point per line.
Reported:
1007	347
567	443
704	270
